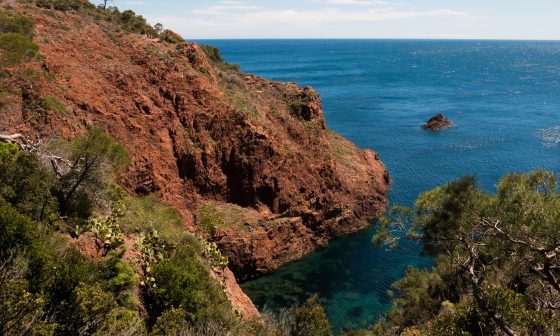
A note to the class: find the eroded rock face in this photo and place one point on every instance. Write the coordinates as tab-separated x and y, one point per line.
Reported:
197	132
437	123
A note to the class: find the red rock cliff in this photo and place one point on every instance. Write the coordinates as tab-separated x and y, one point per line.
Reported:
247	161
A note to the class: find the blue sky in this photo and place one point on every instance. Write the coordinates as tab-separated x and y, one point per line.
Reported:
487	19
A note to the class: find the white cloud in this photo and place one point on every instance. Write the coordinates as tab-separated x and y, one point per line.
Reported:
217	15
224	7
227	19
135	3
356	2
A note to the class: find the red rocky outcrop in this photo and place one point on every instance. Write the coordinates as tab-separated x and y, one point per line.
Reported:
198	132
437	123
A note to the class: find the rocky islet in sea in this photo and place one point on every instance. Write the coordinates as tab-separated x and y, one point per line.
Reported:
437	123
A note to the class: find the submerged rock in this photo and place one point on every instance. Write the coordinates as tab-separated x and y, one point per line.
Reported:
437	123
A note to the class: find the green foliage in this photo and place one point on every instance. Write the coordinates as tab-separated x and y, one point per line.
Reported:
143	214
153	249
93	304
15	229
212	53
122	275
172	322
209	218
16	23
183	282
64	5
309	319
419	296
16	39
498	263
23	312
97	144
216	58
131	22
106	296
51	103
16	48
171	37
107	230
24	182
213	254
95	159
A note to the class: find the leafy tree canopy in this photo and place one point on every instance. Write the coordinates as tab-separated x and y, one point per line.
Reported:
498	259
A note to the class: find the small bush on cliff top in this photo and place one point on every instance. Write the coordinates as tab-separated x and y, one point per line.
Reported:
171	37
64	5
215	57
131	22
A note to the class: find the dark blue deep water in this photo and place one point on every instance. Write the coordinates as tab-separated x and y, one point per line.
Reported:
503	96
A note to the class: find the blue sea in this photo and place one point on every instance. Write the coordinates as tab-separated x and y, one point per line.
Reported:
503	96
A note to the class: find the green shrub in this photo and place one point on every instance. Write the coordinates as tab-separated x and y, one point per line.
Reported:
23	312
184	282
64	5
309	319
16	48
209	218
25	183
108	231
171	37
16	34
172	322
16	23
212	53
215	57
213	254
15	229
96	158
93	304
486	246
131	22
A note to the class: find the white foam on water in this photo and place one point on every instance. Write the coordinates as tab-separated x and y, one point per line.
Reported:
550	136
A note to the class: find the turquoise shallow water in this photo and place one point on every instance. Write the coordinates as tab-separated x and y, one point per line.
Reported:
504	97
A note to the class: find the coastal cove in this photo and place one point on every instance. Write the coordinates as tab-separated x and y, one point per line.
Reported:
504	100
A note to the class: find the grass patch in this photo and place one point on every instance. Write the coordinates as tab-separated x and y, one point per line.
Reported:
143	214
235	89
52	103
212	216
16	49
16	44
240	101
16	23
341	148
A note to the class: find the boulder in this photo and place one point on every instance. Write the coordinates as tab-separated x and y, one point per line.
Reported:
437	123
